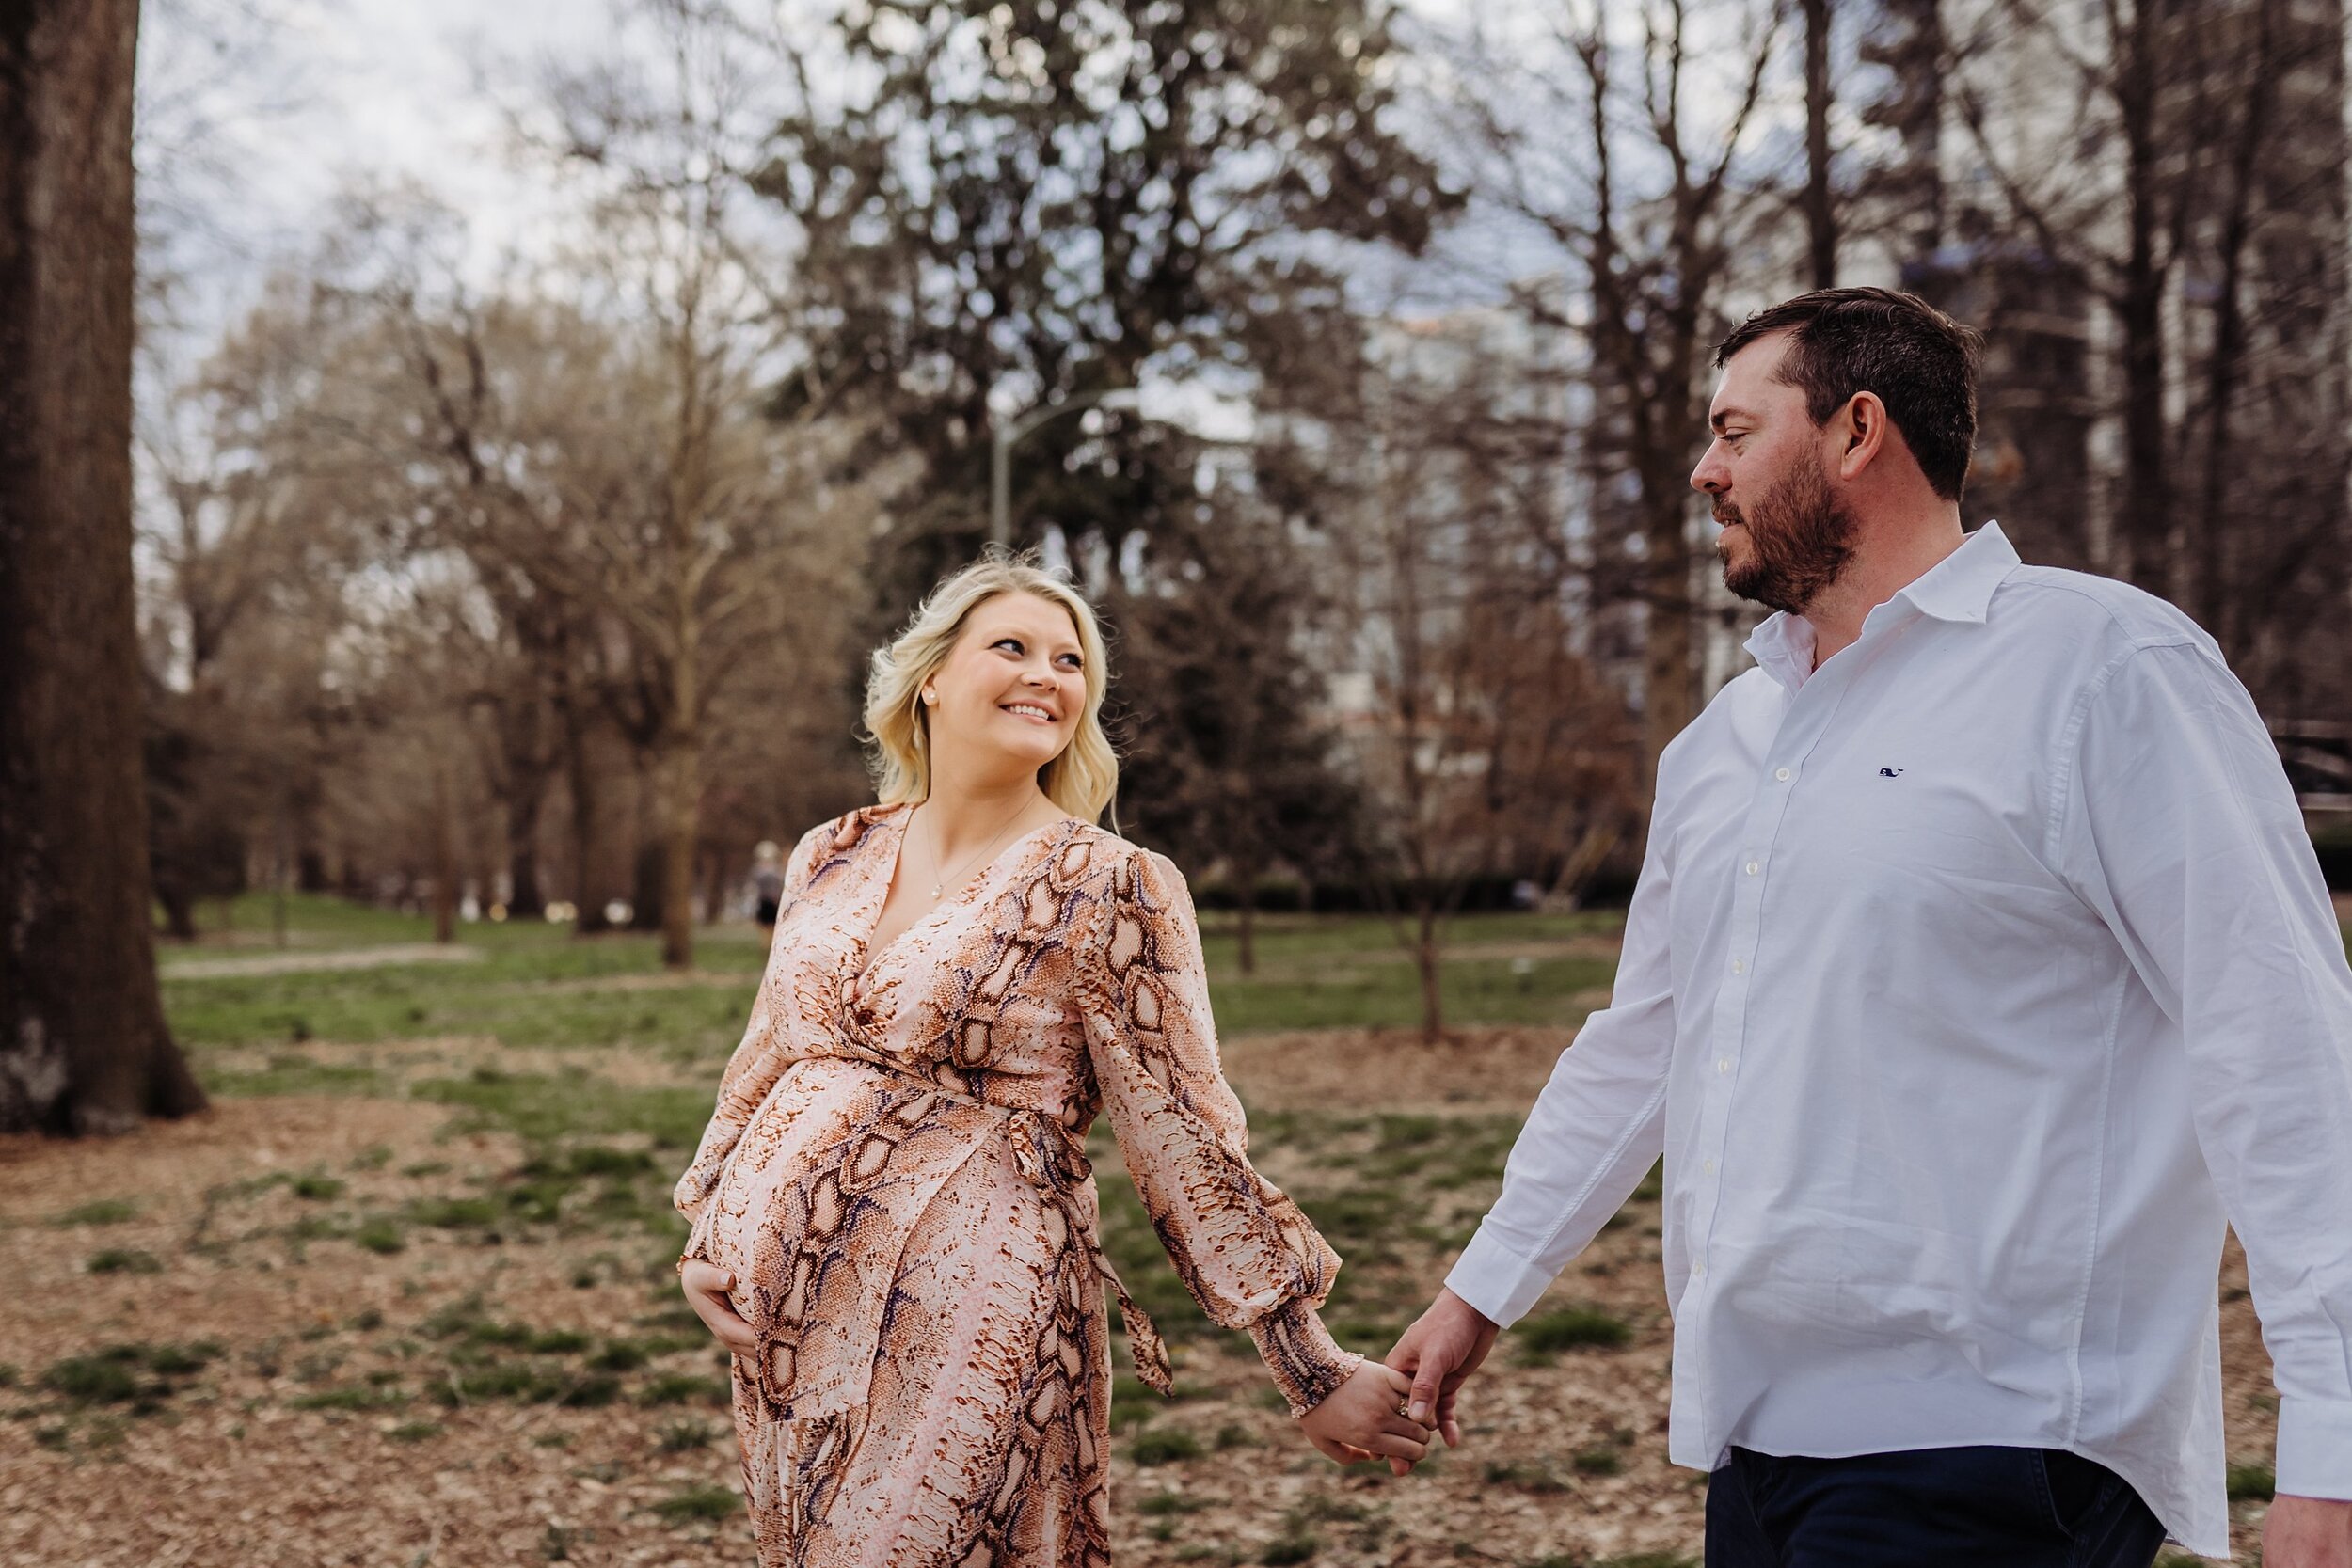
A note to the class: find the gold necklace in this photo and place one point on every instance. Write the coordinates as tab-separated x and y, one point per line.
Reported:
940	881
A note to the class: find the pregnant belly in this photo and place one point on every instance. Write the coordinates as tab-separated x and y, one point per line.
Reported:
815	1211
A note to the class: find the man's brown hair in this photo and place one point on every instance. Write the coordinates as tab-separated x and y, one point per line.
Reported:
1920	362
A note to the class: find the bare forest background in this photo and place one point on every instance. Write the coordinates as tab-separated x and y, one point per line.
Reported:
1358	356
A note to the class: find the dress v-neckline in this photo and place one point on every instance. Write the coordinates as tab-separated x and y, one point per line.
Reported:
870	956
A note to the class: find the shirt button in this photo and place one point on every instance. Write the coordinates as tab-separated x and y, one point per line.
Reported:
1698	1269
1739	967
1781	773
1708	1166
1723	1065
1753	868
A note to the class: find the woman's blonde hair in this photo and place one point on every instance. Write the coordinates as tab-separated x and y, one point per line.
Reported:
1081	780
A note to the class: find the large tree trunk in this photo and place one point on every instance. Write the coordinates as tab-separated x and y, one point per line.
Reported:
82	1043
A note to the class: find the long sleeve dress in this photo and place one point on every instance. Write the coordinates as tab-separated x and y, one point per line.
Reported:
896	1176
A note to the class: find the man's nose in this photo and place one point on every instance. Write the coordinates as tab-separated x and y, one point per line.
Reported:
1709	476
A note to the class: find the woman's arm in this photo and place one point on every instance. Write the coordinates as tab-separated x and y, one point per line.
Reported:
1243	1248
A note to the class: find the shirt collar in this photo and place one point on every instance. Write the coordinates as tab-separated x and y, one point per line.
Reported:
1958	588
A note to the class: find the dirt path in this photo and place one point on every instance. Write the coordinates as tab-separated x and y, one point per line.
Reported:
301	963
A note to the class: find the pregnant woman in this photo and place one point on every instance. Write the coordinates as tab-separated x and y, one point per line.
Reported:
893	1224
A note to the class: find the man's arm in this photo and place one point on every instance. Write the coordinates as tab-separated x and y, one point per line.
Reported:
1594	1132
2181	829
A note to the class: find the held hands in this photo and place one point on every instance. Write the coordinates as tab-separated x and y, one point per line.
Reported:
707	1286
1360	1420
1440	1351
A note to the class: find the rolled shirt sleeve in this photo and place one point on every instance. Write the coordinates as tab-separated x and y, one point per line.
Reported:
2180	828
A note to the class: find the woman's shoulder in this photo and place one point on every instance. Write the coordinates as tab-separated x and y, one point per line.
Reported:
839	835
1131	868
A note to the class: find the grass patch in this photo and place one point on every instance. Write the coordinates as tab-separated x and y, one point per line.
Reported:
1291	1546
1544	1335
698	1503
1164	1448
455	1213
381	1236
349	1399
686	1388
317	1188
2251	1483
141	1376
123	1260
685	1437
1525	1476
105	1211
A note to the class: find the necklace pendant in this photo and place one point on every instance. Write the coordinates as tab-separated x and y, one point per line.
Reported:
934	889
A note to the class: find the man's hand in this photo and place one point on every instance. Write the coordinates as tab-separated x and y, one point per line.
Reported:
707	1286
1441	1350
2308	1533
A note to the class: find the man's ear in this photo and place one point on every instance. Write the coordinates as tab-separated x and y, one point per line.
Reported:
1860	430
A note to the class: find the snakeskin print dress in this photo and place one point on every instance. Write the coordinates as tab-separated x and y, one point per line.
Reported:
896	1176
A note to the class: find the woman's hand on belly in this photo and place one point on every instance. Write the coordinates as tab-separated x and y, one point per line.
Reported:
707	1286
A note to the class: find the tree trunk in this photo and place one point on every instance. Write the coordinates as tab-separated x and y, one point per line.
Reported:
1246	893
1425	956
1821	212
587	800
714	886
444	859
681	822
525	899
1668	679
82	1043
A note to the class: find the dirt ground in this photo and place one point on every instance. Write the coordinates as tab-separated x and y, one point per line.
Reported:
205	1364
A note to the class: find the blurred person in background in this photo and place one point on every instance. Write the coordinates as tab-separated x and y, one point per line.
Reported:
1980	974
894	1222
766	884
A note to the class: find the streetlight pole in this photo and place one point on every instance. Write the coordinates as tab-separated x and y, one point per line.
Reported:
1004	437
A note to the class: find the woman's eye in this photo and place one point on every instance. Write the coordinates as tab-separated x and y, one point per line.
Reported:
1070	661
1012	642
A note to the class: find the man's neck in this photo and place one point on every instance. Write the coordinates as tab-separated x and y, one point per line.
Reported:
1891	556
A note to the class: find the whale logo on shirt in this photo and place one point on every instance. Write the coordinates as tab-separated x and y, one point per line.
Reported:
1890	772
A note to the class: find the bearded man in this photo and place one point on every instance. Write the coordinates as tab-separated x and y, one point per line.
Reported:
1978	974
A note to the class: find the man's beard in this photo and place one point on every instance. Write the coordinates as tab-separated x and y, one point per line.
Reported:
1800	538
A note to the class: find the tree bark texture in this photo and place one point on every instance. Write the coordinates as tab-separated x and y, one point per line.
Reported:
82	1043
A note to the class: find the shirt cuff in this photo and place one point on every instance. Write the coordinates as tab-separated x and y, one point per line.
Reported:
1499	1282
2314	1457
1307	1365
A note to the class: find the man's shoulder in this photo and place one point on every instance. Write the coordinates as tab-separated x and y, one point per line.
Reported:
1744	693
2088	608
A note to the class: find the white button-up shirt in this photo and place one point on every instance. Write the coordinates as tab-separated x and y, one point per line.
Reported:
1973	981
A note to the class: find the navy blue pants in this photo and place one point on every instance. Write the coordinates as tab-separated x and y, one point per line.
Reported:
1935	1508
